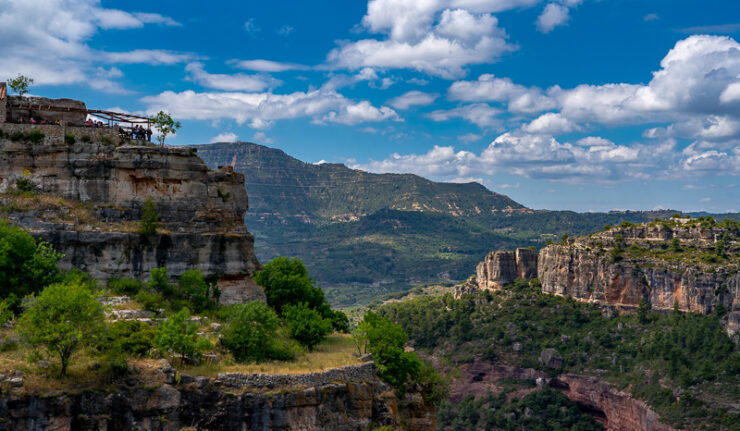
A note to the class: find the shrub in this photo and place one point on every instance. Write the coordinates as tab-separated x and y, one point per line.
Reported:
17	136
252	333
35	136
25	266
85	138
130	337
178	334
307	326
150	301
61	319
159	281
69	139
124	286
149	218
196	289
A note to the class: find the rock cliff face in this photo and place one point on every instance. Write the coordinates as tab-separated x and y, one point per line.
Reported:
353	399
502	267
650	267
616	410
89	196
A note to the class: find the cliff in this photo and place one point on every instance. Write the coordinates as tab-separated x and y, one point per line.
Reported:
349	398
87	189
666	263
614	409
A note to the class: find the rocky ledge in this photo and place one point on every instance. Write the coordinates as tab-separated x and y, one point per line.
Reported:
89	188
349	398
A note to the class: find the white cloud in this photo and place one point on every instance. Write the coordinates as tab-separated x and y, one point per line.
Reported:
48	40
479	114
469	137
238	82
554	15
488	88
260	110
550	124
285	30
267	65
224	137
430	36
651	17
262	138
251	27
412	98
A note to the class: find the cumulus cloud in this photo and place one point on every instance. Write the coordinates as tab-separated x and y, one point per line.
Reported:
488	88
480	114
438	37
224	137
237	82
554	15
49	41
412	98
261	110
550	124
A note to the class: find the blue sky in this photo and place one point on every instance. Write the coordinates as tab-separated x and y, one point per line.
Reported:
561	104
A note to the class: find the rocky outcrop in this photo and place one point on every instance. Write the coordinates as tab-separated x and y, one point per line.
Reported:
585	268
345	402
101	184
616	410
502	267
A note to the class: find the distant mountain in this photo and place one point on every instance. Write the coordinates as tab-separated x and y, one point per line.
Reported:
363	235
319	193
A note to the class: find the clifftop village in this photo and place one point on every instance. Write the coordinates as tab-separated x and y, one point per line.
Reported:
23	111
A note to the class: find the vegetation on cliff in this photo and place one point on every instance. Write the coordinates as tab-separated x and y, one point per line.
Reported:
684	365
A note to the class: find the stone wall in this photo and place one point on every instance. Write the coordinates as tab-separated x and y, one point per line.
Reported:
18	110
356	373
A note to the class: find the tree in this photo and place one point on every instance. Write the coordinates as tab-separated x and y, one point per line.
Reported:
252	333
61	319
286	282
196	289
159	281
643	311
178	334
25	266
149	218
164	123
386	342
306	325
20	84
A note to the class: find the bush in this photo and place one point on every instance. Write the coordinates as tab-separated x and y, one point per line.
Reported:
196	289
35	136
124	286
159	281
17	136
149	218
25	266
307	326
252	333
129	337
178	334
286	282
61	319
150	301
69	139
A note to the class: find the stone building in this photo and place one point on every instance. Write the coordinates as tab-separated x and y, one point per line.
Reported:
21	109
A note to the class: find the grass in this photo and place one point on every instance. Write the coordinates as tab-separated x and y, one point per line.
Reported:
334	352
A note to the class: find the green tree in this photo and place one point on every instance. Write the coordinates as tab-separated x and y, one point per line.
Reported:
25	266
286	282
252	332
675	245
164	123
196	289
61	319
178	334
149	218
386	342
159	281
20	84
643	311
306	325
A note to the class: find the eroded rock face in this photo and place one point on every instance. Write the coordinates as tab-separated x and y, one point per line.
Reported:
502	267
585	270
353	403
201	211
